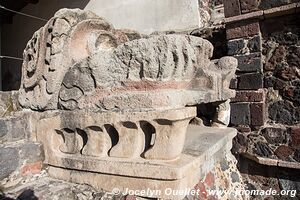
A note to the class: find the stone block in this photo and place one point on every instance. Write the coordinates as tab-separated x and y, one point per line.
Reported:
8	103
243	128
258	113
9	161
255	44
263	149
250	81
237	46
233	83
154	135
20	158
293	94
245	45
15	128
273	82
293	56
240	114
232	8
284	152
275	135
276	59
267	4
176	174
295	137
283	112
31	152
250	63
249	96
242	29
249	5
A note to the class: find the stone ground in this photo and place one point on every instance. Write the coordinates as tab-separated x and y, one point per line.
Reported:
41	186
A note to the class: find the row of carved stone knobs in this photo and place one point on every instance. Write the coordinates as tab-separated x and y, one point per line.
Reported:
160	139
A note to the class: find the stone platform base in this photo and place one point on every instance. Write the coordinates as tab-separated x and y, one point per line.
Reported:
204	147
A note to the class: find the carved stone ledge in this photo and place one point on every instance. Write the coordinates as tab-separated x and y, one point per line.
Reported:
152	134
137	174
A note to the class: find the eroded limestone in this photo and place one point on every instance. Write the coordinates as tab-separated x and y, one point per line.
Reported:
79	61
116	105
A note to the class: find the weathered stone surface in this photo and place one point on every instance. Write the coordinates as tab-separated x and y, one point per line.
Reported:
245	45
284	112
31	152
275	135
236	47
286	183
8	103
249	5
171	174
20	158
243	128
249	96
250	63
233	83
121	134
42	186
31	168
222	116
297	155
293	57
240	143
9	161
266	4
289	73
240	114
235	177
258	113
242	29
275	58
295	137
250	81
255	44
262	149
15	128
3	129
284	152
113	69
112	104
232	8
276	83
293	94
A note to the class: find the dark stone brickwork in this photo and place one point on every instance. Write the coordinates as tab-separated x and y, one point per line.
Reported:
266	109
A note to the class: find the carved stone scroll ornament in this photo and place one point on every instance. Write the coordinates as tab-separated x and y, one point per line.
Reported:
79	61
67	39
